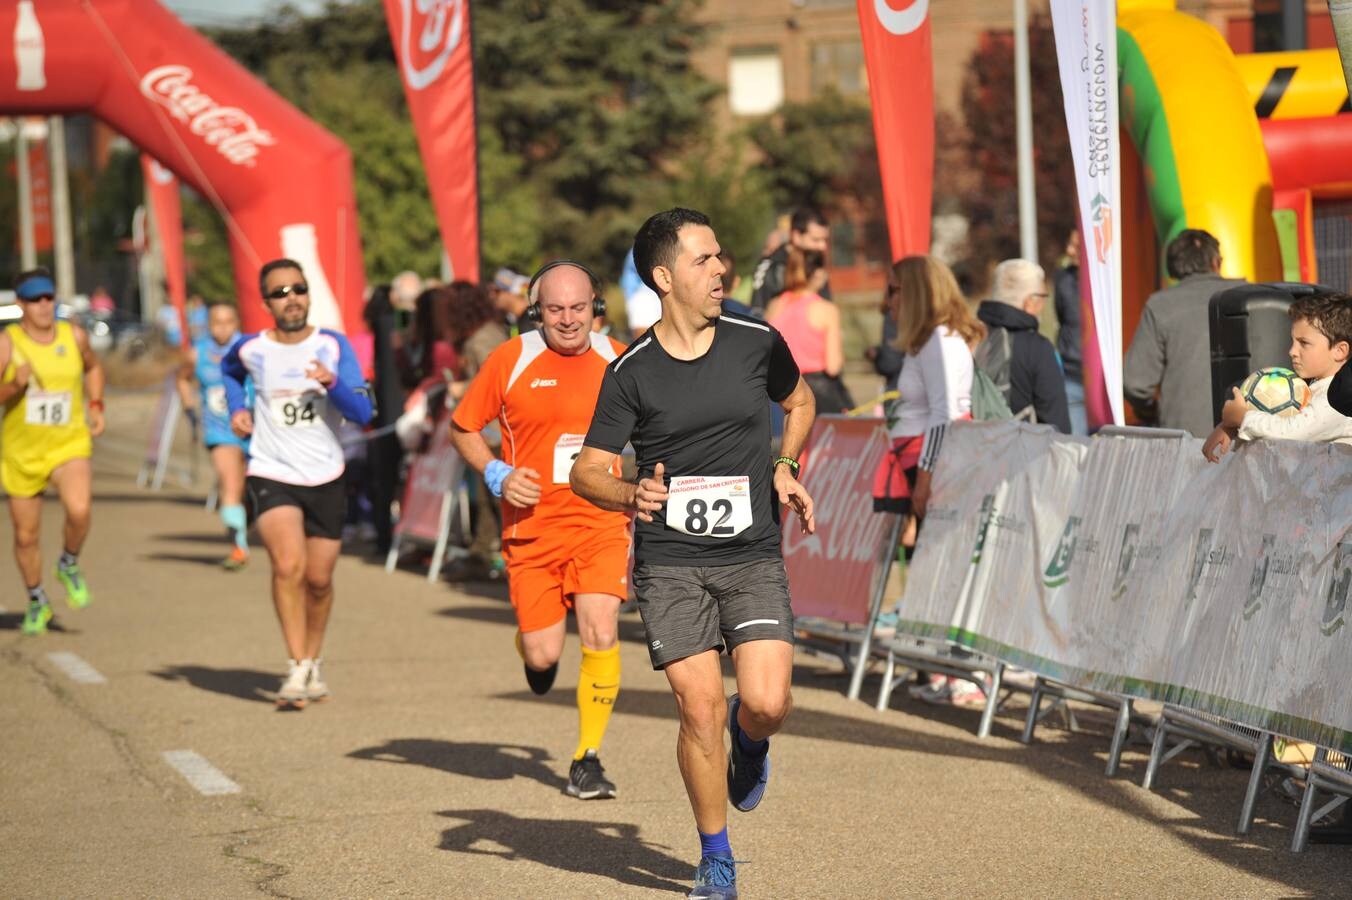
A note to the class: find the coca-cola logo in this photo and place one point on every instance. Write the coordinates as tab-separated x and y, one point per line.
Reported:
901	21
429	32
230	130
847	528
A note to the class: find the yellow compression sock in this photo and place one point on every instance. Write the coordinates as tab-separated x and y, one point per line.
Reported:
598	684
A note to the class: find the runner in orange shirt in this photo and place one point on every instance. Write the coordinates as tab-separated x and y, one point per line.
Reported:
561	551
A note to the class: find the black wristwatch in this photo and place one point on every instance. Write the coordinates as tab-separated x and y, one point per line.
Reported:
790	462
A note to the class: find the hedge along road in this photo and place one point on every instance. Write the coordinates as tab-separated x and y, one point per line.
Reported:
434	771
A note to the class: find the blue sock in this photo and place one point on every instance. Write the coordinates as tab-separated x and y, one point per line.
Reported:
750	747
235	520
715	844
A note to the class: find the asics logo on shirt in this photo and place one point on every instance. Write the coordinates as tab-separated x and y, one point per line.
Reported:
544	382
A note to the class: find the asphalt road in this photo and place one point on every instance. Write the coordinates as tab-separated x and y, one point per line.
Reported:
433	772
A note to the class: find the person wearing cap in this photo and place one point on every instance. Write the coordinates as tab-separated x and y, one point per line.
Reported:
47	369
508	293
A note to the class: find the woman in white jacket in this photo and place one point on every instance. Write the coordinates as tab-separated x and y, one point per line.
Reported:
937	331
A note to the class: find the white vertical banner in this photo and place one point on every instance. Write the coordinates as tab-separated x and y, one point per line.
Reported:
1086	52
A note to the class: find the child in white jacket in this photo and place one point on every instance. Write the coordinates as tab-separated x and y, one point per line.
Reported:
1321	340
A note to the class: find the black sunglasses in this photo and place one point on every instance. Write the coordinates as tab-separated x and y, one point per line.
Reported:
38	299
287	290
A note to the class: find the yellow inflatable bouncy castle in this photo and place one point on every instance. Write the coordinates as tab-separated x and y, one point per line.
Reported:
1245	146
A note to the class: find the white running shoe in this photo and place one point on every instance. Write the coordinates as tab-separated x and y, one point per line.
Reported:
294	691
315	689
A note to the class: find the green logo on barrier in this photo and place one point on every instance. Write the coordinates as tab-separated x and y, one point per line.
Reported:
1201	553
987	515
1057	572
1339	586
1258	579
1126	558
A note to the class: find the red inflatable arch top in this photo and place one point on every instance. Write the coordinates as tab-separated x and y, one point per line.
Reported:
282	183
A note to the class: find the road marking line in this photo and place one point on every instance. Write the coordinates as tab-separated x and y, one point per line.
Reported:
202	775
76	669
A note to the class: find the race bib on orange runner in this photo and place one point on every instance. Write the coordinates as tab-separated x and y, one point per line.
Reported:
566	450
47	407
710	507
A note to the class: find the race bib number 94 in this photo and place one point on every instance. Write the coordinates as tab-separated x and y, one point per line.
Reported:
710	507
297	410
566	449
47	407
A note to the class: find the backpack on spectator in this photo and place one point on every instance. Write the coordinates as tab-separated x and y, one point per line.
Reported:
990	377
991	384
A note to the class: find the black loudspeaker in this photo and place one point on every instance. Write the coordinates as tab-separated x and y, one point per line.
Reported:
1250	330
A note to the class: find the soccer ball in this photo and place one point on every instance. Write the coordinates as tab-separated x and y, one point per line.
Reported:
1277	391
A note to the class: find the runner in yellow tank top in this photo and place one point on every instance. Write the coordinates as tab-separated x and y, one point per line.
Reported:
45	368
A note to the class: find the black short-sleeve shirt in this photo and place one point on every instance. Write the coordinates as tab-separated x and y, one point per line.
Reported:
707	421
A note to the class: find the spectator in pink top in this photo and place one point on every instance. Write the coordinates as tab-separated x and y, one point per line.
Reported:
811	327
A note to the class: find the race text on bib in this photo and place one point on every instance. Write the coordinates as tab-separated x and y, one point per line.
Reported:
566	450
710	507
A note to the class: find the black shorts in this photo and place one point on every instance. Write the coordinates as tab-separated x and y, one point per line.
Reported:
323	505
687	610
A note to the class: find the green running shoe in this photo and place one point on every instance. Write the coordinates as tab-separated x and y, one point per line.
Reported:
77	590
36	618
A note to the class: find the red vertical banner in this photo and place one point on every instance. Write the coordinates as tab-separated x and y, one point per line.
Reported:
898	54
162	189
40	179
432	44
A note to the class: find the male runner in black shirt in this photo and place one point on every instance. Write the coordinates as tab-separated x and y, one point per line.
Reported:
690	395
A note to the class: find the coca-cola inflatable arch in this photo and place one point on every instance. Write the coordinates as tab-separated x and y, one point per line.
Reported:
282	183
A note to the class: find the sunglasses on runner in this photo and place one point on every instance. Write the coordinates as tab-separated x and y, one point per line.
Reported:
38	299
287	290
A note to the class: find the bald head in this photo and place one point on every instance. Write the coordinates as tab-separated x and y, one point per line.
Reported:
562	284
564	297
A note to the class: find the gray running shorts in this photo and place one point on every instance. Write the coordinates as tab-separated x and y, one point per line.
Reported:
690	609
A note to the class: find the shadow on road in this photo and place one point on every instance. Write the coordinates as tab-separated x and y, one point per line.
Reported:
246	684
603	849
12	621
631	627
204	559
214	537
490	762
150	497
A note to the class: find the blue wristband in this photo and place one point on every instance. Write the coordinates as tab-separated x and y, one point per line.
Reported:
495	473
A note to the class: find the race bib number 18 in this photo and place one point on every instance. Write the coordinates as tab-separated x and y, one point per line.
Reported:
47	407
710	507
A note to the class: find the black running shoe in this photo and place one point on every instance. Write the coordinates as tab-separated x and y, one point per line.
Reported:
541	681
747	774
587	780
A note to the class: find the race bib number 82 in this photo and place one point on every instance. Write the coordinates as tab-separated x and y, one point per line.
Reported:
710	507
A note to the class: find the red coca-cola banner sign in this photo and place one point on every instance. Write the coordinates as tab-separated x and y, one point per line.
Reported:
282	183
432	44
832	573
430	477
897	52
162	188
